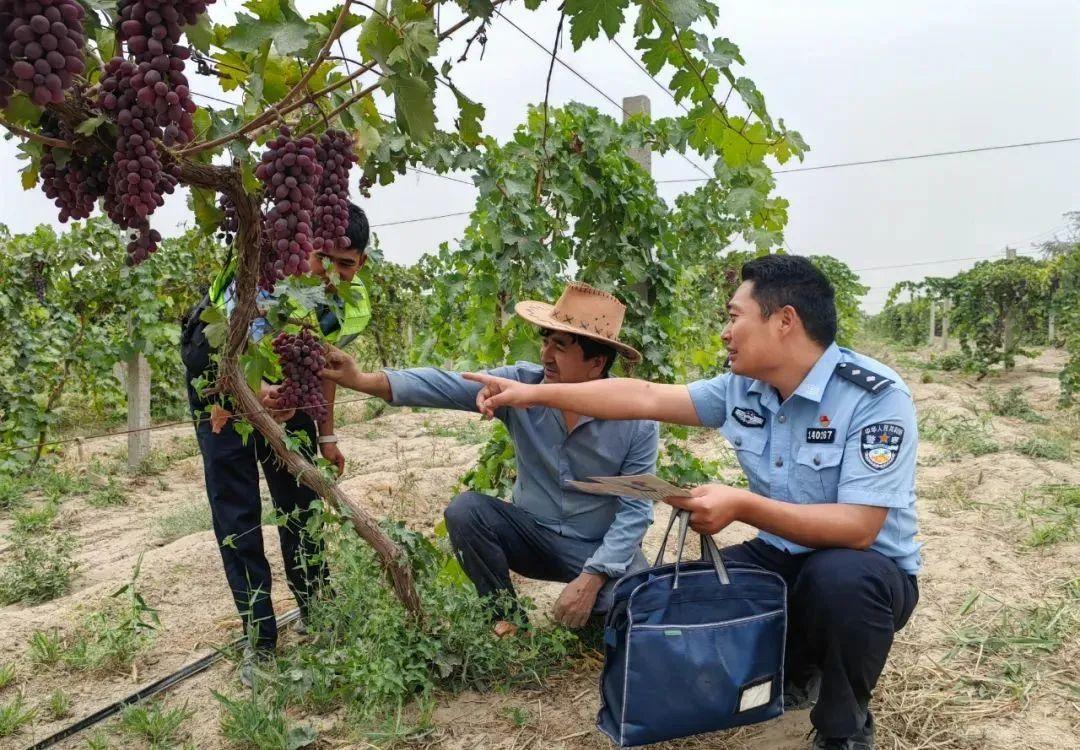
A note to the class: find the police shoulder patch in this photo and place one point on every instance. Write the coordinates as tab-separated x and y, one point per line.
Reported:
747	417
881	444
862	377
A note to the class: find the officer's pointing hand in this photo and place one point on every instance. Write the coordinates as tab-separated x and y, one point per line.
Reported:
498	392
713	507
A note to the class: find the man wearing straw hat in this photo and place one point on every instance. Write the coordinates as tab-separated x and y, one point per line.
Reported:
549	531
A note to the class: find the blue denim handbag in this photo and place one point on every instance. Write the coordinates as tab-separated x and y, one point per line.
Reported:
692	647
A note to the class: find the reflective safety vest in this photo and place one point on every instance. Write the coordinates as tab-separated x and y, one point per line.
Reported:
357	313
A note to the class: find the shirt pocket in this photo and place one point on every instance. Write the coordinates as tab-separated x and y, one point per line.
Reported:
817	473
749	444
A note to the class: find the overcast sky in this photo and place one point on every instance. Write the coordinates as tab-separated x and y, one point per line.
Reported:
859	80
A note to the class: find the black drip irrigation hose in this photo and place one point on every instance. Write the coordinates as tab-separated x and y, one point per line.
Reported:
152	689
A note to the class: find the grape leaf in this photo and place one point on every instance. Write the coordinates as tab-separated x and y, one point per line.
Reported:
588	16
413	104
471	113
219	417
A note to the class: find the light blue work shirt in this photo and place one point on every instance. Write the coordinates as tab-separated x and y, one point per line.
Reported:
548	457
831	441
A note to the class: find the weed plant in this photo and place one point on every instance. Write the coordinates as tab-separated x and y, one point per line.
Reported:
39	566
159	727
189	519
1054	513
957	435
58	705
1048	447
112	494
7	675
14	715
1013	404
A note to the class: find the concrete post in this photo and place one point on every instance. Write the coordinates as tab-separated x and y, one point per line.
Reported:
1010	322
946	305
138	409
933	322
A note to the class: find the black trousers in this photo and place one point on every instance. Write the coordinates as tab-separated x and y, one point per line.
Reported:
231	470
844	606
491	537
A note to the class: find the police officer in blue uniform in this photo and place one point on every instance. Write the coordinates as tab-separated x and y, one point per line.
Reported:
827	439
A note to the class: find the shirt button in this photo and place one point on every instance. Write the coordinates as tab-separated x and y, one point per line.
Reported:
738	441
782	418
779	461
817	460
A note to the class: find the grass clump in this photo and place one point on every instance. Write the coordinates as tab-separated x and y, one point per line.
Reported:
1012	646
258	720
14	715
112	494
1012	403
39	567
7	675
189	519
472	432
155	725
108	640
1054	513
1052	448
957	435
58	704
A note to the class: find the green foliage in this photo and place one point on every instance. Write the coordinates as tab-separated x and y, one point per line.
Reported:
69	339
154	724
7	675
849	290
38	568
398	313
496	468
113	493
1054	513
384	651
14	715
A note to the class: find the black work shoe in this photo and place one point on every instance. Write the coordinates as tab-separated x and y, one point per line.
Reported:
802	697
862	740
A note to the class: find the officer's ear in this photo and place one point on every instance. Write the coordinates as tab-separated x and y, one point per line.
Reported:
788	320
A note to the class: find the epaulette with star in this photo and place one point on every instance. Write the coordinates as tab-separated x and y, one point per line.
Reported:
862	377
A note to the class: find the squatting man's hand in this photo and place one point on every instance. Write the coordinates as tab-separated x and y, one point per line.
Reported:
575	603
333	454
713	507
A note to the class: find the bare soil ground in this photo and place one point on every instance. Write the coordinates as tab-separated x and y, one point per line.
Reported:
405	464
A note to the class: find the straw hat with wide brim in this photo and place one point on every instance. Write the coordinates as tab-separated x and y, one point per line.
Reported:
583	311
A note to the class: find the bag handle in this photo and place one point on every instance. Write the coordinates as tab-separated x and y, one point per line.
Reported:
709	550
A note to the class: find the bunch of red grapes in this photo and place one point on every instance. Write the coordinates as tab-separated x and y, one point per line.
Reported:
335	153
291	175
41	48
74	182
302	359
149	98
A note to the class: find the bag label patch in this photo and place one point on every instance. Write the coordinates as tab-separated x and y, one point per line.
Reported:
755	696
747	417
820	434
881	445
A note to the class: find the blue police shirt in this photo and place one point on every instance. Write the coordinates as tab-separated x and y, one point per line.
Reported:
548	457
832	441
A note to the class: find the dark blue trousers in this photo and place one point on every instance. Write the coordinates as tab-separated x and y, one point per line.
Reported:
491	537
844	607
231	470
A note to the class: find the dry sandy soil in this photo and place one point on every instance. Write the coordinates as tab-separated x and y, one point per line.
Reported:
405	464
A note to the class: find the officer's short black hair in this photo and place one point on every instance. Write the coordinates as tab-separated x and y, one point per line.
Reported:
781	280
589	348
358	231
